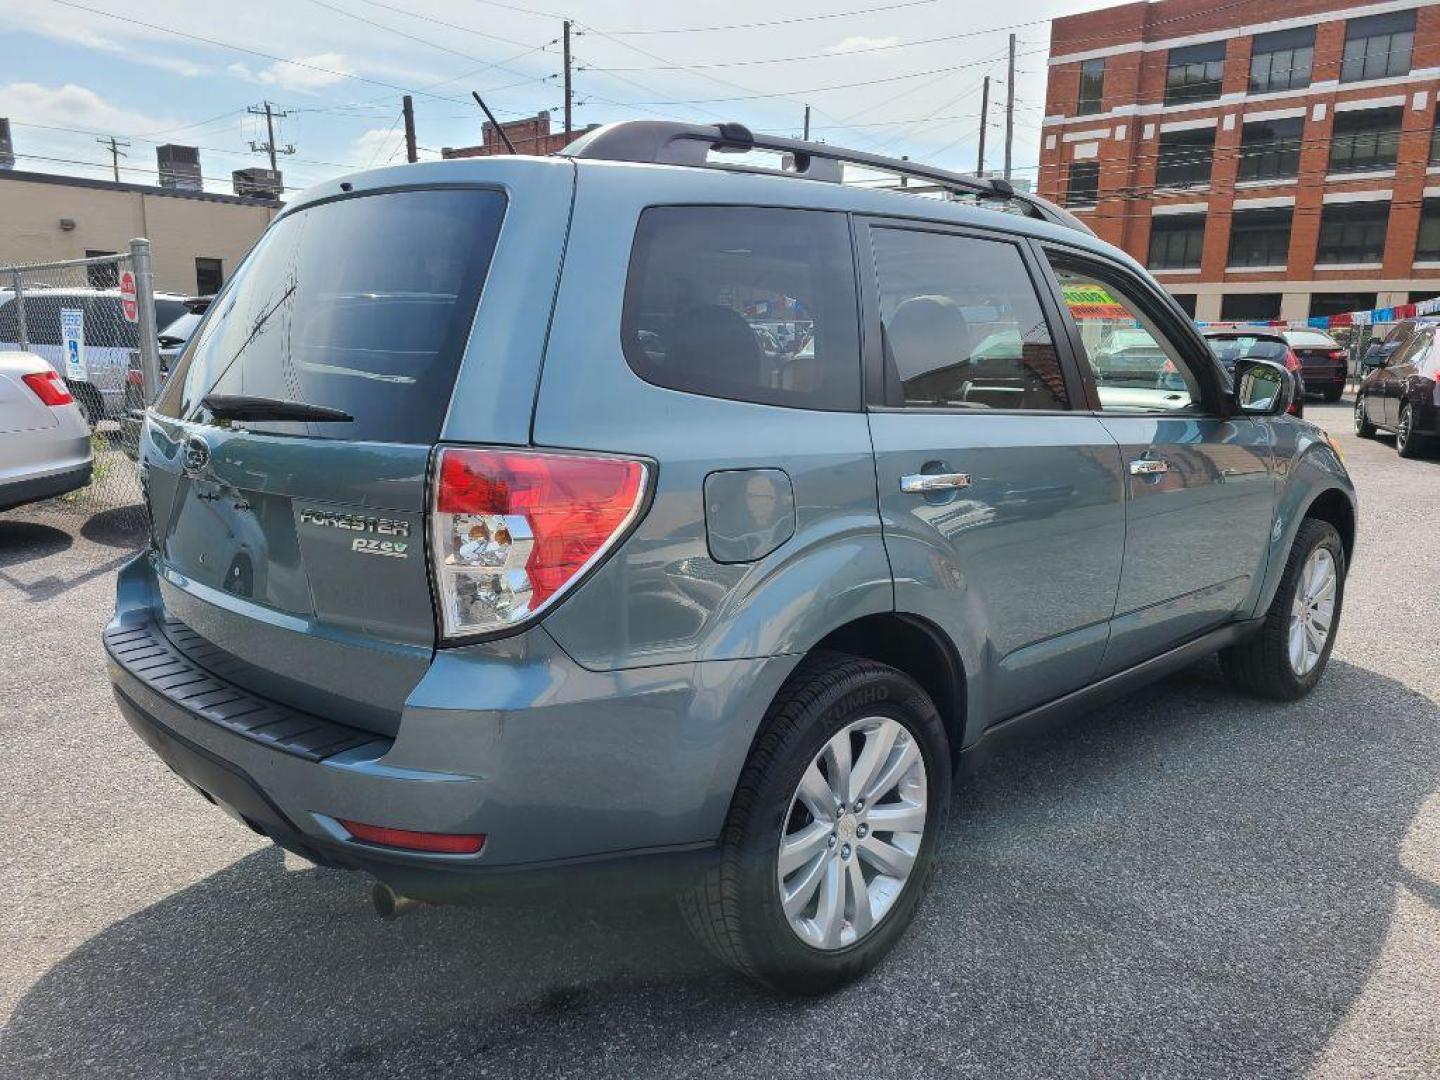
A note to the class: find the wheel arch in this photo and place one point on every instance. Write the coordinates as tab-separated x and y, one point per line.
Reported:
1334	506
917	647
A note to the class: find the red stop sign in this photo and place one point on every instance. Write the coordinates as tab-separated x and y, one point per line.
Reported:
127	296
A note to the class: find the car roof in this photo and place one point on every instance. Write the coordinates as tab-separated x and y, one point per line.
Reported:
673	184
1243	331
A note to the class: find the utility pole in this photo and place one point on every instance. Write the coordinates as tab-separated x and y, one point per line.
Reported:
984	120
115	153
807	123
408	106
569	97
1010	107
267	110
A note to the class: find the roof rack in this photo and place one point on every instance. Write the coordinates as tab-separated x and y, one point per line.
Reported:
664	142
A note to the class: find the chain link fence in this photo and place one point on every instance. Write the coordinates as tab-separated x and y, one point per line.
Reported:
95	321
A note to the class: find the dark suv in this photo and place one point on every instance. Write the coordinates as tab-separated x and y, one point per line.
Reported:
631	508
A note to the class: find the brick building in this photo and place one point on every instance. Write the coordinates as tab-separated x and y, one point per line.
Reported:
1264	159
529	136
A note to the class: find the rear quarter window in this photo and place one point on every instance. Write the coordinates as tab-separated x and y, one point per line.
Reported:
746	303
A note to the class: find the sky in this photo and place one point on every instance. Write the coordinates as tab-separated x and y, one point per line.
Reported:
889	76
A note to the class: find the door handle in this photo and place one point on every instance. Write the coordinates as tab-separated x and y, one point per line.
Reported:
919	483
1148	467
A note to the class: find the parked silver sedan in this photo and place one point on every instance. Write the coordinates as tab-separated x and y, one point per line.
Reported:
44	439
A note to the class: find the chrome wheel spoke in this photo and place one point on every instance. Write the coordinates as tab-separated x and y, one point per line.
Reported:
858	907
838	766
799	848
901	817
798	898
878	743
815	793
830	914
902	757
889	859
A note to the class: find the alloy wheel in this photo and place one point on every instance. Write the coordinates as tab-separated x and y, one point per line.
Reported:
1313	611
1359	414
1402	433
852	833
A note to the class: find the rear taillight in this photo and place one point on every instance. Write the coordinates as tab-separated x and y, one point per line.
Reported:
1336	354
1292	362
513	529
48	387
133	377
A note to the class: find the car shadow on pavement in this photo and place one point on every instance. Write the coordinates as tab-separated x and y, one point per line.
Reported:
1186	883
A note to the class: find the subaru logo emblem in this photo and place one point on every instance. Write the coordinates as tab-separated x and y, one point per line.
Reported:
197	454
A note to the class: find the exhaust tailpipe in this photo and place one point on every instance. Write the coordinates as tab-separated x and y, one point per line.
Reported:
389	904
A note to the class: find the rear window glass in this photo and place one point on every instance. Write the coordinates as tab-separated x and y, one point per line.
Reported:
746	303
363	304
1310	339
1230	349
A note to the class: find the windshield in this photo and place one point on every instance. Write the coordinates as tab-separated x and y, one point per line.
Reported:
362	305
1229	349
179	331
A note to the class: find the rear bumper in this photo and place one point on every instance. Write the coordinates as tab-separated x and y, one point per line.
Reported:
561	768
1317	379
47	486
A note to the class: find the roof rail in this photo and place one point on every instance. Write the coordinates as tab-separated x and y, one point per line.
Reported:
664	142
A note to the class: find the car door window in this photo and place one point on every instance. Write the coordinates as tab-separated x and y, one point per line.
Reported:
1136	367
961	324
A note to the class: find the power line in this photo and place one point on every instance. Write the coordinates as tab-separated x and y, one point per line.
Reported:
784	22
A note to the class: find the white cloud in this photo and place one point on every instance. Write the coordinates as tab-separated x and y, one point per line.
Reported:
378	146
320	71
73	106
860	43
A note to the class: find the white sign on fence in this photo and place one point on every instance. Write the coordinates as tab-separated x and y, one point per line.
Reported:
72	336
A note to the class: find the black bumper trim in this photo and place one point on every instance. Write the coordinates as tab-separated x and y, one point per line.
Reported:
148	656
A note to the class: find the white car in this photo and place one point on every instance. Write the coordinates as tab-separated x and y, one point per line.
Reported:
44	439
111	345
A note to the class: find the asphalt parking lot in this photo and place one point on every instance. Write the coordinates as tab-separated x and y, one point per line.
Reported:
1186	884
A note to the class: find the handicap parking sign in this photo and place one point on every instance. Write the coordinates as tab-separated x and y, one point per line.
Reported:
72	336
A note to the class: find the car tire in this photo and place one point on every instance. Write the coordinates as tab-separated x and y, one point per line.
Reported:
737	909
1363	427
1407	443
1266	664
1333	394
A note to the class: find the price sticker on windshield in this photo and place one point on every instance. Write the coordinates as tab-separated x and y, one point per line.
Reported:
1091	301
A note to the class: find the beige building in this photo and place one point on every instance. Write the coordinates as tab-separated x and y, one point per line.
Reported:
197	238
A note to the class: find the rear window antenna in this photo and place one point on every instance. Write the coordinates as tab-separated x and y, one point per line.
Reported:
503	137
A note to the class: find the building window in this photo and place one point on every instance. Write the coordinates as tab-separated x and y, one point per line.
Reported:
1353	232
1341	303
1281	61
1092	87
102	275
1260	238
1378	47
1194	73
1250	307
1185	158
1365	140
1423	294
1176	241
1270	149
1427	244
1082	187
1435	145
1186	302
209	276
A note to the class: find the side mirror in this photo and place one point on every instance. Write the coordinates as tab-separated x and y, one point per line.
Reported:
1262	388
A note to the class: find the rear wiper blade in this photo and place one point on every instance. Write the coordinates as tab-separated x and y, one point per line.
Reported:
246	407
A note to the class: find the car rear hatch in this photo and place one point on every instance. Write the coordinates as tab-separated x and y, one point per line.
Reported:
292	548
1321	362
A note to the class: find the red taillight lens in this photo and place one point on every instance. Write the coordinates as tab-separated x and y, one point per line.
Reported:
133	377
48	387
1292	362
1337	354
512	529
439	843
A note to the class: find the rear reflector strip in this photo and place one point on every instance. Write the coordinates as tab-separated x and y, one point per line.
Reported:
405	839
